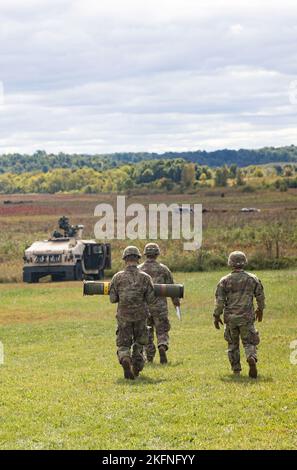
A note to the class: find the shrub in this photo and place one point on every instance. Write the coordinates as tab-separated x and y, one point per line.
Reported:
248	189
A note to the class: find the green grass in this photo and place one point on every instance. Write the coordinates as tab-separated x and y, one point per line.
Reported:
61	385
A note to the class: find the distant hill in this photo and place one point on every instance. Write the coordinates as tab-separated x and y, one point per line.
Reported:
41	161
240	157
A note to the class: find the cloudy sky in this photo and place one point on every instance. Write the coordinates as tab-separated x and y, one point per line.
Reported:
136	75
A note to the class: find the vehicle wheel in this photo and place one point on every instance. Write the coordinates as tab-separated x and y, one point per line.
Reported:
78	274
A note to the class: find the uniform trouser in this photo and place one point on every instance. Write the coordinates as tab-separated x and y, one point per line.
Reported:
131	338
238	327
159	323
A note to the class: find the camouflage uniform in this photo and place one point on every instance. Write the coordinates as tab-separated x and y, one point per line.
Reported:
158	310
234	297
132	290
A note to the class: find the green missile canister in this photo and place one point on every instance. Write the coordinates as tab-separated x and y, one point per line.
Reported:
161	290
96	288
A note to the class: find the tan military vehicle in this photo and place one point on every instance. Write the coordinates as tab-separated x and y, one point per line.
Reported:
65	256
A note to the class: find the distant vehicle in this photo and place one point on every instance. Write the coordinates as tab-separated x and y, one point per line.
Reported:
65	256
250	209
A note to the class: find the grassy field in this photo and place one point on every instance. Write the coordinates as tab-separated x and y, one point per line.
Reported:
61	385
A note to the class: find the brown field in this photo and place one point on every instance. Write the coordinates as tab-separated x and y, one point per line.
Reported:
29	217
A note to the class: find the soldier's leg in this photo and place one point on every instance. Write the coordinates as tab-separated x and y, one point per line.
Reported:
231	335
124	340
150	349
140	340
250	339
162	329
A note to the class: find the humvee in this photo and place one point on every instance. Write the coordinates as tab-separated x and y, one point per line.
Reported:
65	256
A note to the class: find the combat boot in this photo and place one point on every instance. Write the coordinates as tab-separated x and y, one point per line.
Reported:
253	367
135	370
163	356
126	364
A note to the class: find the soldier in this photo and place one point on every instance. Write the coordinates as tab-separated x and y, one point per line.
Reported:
158	311
133	290
234	296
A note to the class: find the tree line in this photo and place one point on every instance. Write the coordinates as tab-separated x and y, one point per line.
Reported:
155	175
42	161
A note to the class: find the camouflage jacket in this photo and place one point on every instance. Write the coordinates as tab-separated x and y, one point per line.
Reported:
235	294
160	274
133	290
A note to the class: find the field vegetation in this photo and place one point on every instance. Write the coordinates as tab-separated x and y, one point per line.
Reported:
269	237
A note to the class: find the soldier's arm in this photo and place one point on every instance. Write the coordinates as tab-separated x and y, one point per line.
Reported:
113	293
259	295
149	294
220	298
169	280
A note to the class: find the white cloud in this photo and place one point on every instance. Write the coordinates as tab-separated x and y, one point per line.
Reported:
161	75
